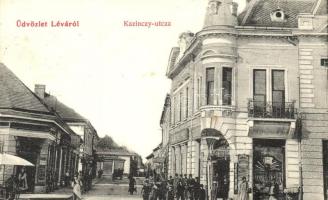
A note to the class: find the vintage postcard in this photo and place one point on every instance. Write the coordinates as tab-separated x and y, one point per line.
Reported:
188	99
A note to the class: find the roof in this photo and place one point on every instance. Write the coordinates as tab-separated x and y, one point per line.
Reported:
68	114
257	13
14	94
322	9
116	153
65	112
166	104
150	156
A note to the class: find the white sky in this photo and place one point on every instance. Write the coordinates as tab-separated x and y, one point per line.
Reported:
111	74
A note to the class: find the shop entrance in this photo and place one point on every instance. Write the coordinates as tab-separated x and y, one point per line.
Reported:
325	168
268	168
220	169
29	149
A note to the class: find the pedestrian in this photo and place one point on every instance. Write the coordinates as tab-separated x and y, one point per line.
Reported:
11	187
243	190
196	189
175	183
22	180
180	190
67	179
145	191
162	190
185	184
100	173
202	192
170	193
153	193
132	183
191	185
274	190
170	181
77	195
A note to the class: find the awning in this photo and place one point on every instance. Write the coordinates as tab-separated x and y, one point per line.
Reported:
31	134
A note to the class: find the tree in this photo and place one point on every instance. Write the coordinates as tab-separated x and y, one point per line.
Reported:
107	143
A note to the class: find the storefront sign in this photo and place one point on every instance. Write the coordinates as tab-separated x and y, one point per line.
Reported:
41	173
180	136
267	129
43	159
242	170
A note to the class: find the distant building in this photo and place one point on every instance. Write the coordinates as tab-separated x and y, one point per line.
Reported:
116	159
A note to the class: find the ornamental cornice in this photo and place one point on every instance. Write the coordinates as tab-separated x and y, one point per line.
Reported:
218	55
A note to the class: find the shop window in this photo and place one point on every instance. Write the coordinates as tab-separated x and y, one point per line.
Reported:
226	85
268	168
210	86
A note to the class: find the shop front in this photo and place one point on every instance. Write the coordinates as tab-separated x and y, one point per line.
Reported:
268	168
275	158
218	164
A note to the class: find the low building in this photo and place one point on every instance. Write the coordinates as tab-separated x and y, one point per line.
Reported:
84	157
114	160
29	129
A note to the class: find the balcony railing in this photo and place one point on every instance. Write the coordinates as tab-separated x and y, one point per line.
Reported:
261	109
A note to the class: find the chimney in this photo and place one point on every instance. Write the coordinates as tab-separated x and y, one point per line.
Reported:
234	9
40	90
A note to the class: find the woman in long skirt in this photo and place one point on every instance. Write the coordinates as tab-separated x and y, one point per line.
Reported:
77	189
243	190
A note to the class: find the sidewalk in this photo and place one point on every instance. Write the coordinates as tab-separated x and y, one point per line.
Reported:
64	193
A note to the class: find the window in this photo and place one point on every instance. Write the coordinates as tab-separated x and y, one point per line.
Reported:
210	86
180	106
278	92
324	62
199	84
226	85
187	104
174	110
259	87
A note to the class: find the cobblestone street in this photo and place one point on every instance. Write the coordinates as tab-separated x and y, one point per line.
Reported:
106	189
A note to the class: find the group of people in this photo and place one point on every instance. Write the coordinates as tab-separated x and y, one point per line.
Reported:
181	187
16	184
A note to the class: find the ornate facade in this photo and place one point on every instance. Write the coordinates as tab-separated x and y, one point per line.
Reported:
248	95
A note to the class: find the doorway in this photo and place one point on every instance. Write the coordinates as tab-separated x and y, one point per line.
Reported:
220	169
221	178
268	168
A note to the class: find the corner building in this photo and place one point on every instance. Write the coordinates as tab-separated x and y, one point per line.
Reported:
249	99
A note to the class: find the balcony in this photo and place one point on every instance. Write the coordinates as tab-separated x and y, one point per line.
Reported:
281	110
